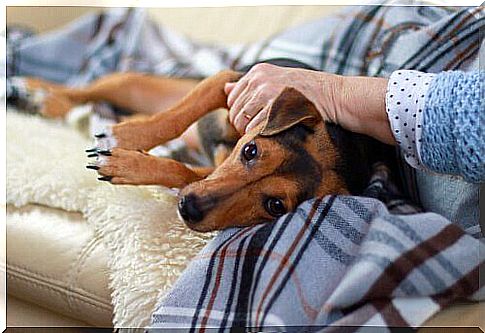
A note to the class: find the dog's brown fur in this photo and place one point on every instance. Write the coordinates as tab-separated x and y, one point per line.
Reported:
297	155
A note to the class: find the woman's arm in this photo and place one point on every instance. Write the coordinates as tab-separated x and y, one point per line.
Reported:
434	118
453	136
355	103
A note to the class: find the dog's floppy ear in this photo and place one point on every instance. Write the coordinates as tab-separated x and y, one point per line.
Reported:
291	107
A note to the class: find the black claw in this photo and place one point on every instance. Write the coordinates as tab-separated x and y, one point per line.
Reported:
92	150
105	178
100	136
94	167
93	155
105	152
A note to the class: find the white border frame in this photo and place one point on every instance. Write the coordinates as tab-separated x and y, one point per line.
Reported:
146	3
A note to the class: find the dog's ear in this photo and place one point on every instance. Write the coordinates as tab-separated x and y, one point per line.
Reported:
291	107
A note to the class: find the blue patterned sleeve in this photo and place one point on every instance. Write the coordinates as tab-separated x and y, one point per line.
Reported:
453	137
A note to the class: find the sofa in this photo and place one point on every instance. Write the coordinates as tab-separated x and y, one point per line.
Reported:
57	264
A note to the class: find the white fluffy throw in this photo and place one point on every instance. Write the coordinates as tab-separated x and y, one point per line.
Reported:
149	247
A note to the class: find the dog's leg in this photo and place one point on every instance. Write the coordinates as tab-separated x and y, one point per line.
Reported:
122	166
139	93
147	133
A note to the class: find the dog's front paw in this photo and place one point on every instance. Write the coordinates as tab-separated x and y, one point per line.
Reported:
104	141
131	135
121	166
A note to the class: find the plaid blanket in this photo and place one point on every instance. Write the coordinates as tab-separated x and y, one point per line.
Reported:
336	261
340	261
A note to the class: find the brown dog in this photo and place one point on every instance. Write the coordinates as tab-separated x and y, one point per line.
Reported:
289	158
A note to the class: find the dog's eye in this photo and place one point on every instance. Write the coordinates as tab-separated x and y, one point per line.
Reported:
249	151
275	207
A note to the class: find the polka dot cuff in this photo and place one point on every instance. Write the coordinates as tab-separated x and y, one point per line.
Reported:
405	101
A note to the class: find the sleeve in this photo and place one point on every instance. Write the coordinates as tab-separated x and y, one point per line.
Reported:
405	101
453	138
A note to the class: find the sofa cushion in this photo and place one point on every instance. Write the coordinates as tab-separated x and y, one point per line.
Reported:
54	259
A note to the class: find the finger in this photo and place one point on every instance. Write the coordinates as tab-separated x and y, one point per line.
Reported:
241	121
248	111
236	91
260	117
228	87
254	105
242	99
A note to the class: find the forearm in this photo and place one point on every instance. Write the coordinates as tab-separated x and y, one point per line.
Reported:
452	140
435	119
361	107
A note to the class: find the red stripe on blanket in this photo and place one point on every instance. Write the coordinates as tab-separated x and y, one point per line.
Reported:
462	288
398	270
217	279
287	256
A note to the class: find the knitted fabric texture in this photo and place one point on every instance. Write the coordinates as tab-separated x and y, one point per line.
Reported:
452	140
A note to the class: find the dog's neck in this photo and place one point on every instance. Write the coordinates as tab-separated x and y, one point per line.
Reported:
355	155
345	158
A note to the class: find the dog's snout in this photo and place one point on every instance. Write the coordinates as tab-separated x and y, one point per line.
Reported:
189	210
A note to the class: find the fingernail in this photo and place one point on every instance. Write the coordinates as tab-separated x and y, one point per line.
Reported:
100	136
93	155
92	150
94	167
105	152
105	178
228	87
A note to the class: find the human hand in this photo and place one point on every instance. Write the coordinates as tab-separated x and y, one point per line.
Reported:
249	98
356	103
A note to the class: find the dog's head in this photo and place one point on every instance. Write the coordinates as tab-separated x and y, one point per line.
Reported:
286	160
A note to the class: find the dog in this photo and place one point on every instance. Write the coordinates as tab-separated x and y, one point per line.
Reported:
292	156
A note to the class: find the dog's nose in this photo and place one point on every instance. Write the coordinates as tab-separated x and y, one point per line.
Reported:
188	209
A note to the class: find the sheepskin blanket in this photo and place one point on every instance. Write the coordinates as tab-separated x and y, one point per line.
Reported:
148	245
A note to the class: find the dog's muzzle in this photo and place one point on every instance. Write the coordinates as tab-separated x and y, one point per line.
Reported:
188	209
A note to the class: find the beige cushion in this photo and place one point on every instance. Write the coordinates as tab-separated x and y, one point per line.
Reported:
460	314
22	313
55	260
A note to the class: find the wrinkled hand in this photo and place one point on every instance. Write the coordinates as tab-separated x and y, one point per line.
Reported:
249	98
